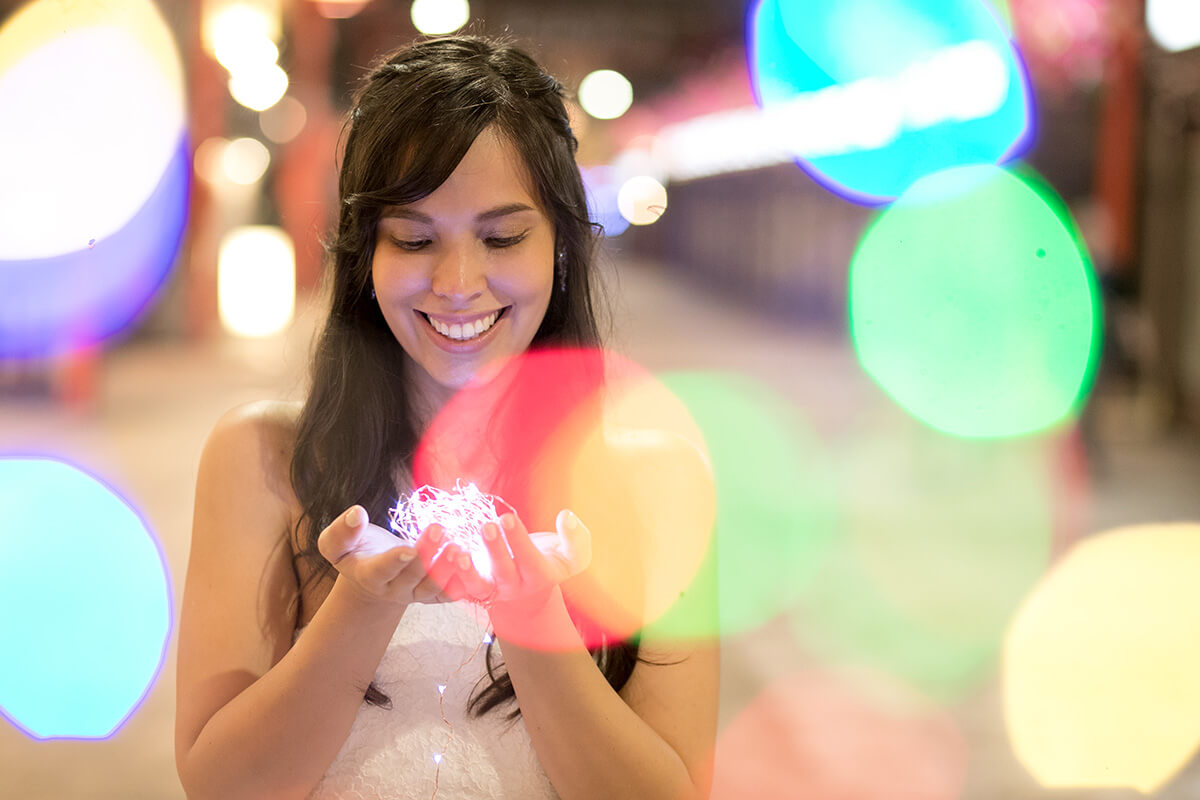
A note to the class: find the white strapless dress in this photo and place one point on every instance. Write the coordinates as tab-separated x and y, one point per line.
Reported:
392	754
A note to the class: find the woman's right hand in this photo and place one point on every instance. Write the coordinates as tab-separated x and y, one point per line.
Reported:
381	568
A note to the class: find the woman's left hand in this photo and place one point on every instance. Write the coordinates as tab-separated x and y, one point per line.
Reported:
523	581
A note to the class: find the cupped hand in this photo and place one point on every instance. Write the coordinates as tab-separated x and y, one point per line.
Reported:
380	567
527	567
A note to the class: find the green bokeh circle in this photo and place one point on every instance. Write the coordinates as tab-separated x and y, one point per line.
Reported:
973	304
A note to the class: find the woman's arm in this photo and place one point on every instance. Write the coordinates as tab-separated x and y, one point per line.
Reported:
256	717
653	740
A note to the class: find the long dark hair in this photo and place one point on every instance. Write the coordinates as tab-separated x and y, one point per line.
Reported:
413	120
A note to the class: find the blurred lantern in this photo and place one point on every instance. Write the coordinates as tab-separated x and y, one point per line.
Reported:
1174	24
434	17
283	121
339	9
259	89
605	94
97	89
245	160
209	160
1064	42
256	281
642	200
1100	663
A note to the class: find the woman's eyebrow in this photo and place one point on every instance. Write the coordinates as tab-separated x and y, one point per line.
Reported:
399	212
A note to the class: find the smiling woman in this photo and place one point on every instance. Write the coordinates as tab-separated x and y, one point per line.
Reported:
464	276
321	656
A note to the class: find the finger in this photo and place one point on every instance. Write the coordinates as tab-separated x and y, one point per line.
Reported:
528	559
474	585
576	540
428	590
341	536
385	569
428	544
445	566
504	571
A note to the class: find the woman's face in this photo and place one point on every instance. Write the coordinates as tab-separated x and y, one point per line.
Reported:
463	277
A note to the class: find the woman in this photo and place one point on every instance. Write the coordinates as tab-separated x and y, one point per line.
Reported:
318	655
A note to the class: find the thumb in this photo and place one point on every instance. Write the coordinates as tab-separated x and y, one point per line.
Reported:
576	540
338	540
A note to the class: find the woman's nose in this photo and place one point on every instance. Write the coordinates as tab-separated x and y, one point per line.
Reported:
460	275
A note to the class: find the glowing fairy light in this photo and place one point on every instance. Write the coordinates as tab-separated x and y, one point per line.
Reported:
462	513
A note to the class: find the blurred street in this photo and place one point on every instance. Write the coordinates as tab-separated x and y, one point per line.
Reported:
157	400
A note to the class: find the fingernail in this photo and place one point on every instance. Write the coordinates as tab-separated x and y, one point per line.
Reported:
406	555
569	519
435	534
354	517
489	532
464	561
508	521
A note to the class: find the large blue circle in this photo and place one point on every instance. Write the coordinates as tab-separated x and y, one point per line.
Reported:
87	608
802	49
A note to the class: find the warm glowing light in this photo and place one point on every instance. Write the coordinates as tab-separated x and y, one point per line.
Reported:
93	100
605	94
642	200
283	121
209	161
241	35
434	17
117	628
259	89
1100	663
245	160
112	129
1174	24
256	281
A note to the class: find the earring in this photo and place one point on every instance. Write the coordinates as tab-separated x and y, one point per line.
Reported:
560	264
372	290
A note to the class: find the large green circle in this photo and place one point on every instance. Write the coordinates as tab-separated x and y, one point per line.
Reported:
973	304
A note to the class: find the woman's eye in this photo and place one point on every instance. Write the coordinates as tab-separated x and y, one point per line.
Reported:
411	244
505	241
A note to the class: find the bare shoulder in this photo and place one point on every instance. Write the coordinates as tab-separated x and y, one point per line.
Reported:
252	445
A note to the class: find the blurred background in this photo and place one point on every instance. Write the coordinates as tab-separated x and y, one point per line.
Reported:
923	272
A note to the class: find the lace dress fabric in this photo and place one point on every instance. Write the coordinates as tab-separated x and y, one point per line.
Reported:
390	753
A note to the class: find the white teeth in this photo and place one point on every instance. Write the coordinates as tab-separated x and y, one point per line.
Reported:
463	333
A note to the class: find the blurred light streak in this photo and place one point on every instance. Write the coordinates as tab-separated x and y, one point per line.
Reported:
256	281
905	88
87	599
642	200
816	735
974	306
939	540
775	507
77	266
283	121
434	17
245	160
1100	664
1174	24
605	94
